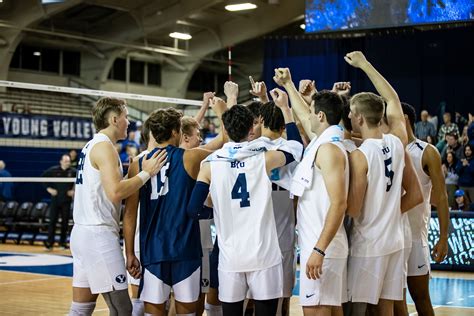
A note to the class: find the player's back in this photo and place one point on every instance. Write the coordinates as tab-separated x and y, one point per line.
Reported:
378	230
420	215
166	232
243	214
92	207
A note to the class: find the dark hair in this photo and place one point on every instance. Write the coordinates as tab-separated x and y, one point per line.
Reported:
455	160
453	134
255	108
370	106
101	110
346	121
272	117
330	103
145	133
163	122
238	120
464	151
409	111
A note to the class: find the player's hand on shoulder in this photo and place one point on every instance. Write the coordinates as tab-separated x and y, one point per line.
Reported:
154	164
356	59
133	266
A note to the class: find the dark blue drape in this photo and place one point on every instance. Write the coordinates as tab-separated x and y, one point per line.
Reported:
428	69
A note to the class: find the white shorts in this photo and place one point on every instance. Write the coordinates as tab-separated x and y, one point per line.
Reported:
374	278
205	270
419	261
259	285
330	289
406	256
289	270
155	291
98	262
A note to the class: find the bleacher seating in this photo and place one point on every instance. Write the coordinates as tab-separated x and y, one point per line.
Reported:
41	102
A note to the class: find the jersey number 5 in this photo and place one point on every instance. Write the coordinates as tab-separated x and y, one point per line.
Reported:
389	173
239	191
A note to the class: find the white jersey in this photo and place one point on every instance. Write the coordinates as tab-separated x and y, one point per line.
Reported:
349	144
420	215
378	230
243	215
92	207
313	209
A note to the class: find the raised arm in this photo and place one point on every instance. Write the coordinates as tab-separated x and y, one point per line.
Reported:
301	109
332	162
104	157
207	96
439	198
413	194
259	89
395	117
358	183
231	91
281	101
219	107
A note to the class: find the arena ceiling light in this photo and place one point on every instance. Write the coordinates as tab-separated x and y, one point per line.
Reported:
181	36
303	26
37	53
240	6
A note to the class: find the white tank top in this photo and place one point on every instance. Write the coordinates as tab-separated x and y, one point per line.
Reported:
313	208
349	144
243	215
92	207
419	216
378	231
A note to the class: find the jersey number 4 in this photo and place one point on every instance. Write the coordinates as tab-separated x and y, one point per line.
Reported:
389	173
239	191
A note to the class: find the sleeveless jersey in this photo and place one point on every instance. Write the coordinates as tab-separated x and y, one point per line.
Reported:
92	207
419	216
166	232
378	231
313	209
243	214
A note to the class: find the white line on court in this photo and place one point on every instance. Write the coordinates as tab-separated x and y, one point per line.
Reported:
32	280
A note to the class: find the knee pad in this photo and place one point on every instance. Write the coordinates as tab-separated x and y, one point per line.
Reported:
118	302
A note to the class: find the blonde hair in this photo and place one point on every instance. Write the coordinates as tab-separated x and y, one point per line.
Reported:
370	106
101	110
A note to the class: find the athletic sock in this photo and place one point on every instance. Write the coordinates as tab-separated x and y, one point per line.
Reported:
138	307
81	309
213	310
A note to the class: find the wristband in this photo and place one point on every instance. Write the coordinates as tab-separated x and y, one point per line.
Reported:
144	176
319	251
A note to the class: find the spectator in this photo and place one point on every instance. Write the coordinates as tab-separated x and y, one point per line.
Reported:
464	138
447	128
61	198
6	188
465	170
211	133
73	155
470	129
423	129
130	152
433	120
452	145
460	121
205	127
462	202
138	132
130	141
450	176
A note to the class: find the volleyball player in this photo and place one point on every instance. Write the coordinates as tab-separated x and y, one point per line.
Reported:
238	179
427	163
170	246
98	262
378	171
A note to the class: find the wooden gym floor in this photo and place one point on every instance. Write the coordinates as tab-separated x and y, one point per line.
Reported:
46	290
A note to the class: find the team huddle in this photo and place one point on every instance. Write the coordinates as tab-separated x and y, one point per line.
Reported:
345	172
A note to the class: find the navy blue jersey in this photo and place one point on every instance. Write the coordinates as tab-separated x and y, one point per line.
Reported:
166	232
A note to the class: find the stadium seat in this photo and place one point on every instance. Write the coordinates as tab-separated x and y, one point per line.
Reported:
7	214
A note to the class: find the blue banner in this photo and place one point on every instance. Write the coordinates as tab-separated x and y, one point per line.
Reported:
57	127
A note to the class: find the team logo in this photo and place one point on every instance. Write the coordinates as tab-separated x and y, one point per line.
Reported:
204	282
120	278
